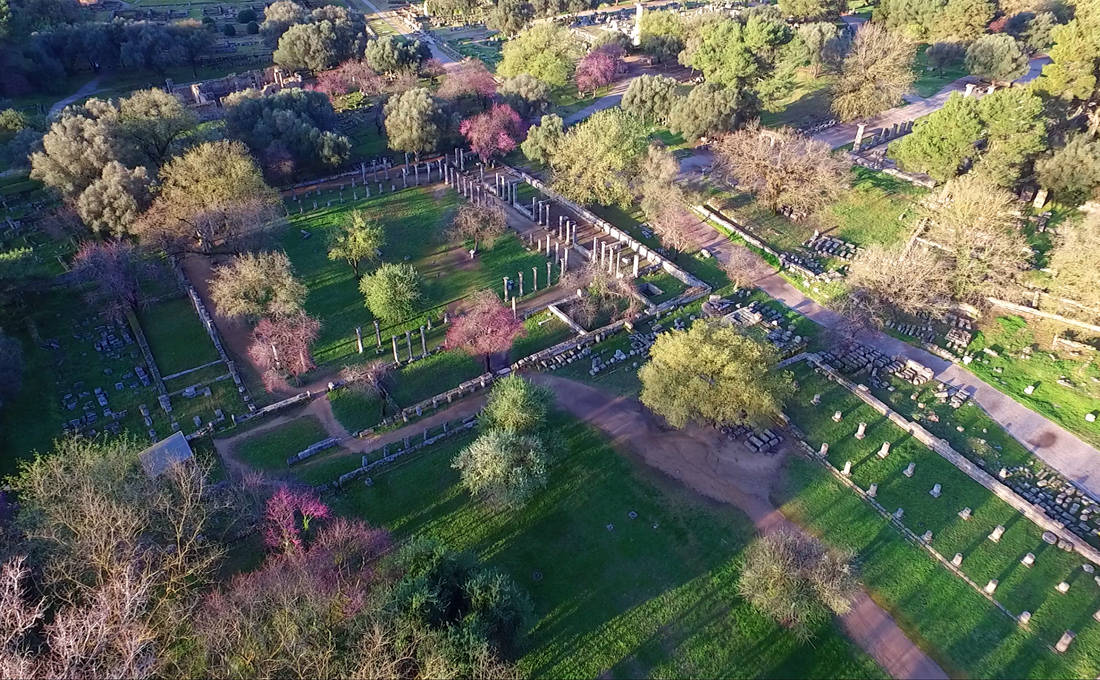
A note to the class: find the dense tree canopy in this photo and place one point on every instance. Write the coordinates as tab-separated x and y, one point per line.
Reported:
598	158
941	141
996	57
1075	71
651	98
484	327
932	20
524	93
510	16
213	196
546	51
736	53
413	121
712	374
289	130
1072	172
332	35
358	239
389	54
544	139
812	10
392	291
706	111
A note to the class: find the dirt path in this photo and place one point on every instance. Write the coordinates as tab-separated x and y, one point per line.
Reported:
727	472
321	409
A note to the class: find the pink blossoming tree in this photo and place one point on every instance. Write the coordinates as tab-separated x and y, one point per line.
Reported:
485	328
493	133
287	516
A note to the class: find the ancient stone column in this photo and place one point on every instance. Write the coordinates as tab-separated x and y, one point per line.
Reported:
359	339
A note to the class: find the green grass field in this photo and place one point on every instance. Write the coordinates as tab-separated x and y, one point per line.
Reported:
654	597
176	336
929	81
1010	369
415	221
917	593
876	209
807	104
269	449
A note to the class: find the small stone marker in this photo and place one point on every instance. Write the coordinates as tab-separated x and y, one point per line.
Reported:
1064	641
935	492
1096	615
997	533
991	586
908	471
884	450
1029	559
957	559
872	490
964	513
899	513
927	537
836	417
816	400
1088	568
1062	587
1024	618
1029	389
861	430
847	468
1003	474
824	449
1090	417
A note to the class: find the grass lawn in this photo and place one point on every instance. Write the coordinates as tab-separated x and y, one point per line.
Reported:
269	449
409	385
806	105
176	336
415	221
1011	369
541	331
566	101
877	209
960	628
654	597
929	81
915	592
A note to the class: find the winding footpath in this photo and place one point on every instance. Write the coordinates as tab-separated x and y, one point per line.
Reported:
726	472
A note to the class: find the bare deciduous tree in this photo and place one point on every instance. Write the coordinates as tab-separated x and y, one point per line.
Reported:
1076	259
743	267
784	168
977	224
280	347
875	74
479	223
887	278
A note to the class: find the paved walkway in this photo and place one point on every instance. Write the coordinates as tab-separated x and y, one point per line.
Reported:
86	90
1056	446
845	133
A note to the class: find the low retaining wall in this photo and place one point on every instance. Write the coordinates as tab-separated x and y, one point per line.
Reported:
941	447
711	214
